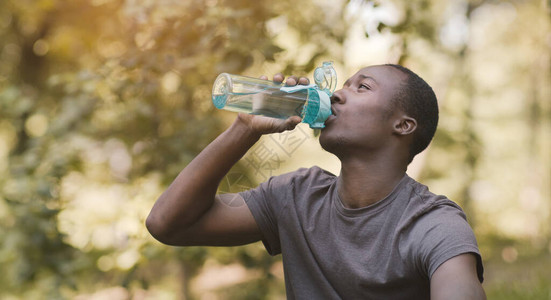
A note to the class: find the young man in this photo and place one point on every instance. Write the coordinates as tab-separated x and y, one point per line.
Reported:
370	233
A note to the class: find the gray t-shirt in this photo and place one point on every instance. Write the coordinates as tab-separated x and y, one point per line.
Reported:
388	250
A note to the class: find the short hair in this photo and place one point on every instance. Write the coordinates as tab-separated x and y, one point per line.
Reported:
417	99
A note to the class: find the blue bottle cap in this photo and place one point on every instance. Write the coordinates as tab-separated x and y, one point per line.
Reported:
317	108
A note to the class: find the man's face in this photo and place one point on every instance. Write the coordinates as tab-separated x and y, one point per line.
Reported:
363	116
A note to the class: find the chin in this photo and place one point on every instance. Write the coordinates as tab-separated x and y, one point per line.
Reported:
331	144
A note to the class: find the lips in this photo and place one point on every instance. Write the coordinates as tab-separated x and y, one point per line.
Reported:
330	119
334	112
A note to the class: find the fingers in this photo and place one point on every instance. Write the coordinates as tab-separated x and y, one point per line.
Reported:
304	81
291	80
278	77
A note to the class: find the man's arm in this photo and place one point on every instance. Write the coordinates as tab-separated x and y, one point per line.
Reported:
457	279
190	213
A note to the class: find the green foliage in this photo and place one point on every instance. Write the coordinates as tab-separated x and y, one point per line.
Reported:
507	292
103	102
257	289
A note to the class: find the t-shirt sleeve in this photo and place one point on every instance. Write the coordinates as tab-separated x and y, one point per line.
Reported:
265	203
444	233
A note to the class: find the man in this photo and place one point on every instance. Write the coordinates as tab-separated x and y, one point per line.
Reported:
370	233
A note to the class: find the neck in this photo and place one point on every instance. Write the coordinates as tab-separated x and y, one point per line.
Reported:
362	183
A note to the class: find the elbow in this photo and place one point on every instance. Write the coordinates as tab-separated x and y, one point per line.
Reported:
165	232
158	230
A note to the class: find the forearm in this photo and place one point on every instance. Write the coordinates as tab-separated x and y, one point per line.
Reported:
193	191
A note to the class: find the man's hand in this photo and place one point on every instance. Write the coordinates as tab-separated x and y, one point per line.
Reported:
264	125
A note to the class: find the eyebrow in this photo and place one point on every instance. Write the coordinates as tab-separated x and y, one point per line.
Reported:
362	76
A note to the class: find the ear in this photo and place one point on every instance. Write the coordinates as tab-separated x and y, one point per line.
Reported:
405	125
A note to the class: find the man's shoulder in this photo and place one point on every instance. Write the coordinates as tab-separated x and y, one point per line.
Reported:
426	209
436	229
421	196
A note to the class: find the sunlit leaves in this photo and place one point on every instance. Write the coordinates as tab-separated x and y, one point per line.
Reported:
102	103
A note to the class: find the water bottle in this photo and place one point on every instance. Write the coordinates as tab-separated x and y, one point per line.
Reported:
263	97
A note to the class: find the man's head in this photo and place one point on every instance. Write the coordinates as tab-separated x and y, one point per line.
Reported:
381	108
417	99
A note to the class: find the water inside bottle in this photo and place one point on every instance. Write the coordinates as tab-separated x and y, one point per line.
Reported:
271	104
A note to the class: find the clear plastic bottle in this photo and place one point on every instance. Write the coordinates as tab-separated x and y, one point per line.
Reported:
263	97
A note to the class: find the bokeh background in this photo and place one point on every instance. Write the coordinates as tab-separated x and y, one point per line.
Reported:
103	102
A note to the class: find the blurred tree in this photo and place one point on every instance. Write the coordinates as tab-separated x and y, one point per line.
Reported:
102	100
489	62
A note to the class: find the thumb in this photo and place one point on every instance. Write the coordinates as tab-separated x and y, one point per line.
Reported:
290	123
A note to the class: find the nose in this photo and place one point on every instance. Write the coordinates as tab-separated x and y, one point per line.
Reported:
337	97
